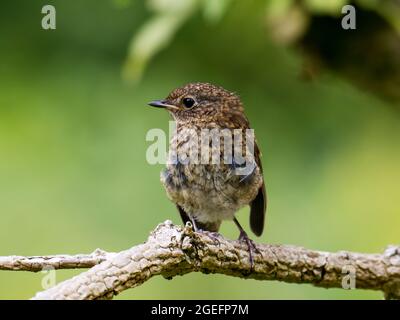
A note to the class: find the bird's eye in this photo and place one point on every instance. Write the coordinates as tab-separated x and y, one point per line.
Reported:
188	102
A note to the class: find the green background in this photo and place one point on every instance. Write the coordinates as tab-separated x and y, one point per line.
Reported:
73	171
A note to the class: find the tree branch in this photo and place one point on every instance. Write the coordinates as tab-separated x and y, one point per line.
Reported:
62	261
172	250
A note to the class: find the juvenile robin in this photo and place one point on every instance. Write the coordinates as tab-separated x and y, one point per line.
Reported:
212	186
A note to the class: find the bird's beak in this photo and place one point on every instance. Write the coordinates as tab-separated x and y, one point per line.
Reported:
161	104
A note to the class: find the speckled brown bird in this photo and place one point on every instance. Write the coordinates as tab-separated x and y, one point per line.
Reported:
208	193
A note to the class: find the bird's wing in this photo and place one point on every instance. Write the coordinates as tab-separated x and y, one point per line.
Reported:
258	206
257	211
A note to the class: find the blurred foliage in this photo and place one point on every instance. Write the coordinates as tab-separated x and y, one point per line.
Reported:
287	21
156	33
73	173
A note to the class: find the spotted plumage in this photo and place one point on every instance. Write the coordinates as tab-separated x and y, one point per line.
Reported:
207	193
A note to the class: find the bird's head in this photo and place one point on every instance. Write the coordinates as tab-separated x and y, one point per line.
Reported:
199	101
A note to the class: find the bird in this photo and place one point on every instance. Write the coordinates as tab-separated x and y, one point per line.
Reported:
209	188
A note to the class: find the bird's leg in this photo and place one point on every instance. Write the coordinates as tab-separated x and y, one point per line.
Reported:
195	227
250	244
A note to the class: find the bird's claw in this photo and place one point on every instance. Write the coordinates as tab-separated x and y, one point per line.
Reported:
251	246
212	235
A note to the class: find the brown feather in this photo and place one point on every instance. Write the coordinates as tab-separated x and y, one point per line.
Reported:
258	206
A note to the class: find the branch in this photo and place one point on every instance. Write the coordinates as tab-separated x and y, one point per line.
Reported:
62	261
172	250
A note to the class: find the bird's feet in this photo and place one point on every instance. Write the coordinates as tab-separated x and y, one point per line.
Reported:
212	235
251	246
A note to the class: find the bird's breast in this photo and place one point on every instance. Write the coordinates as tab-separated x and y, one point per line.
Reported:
209	188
